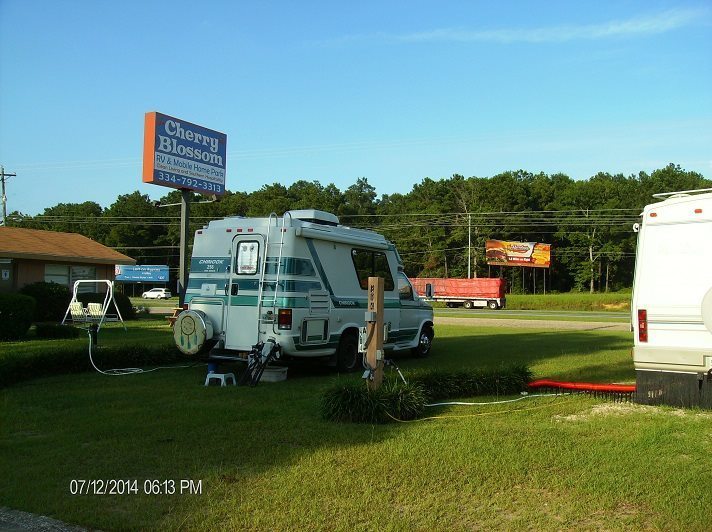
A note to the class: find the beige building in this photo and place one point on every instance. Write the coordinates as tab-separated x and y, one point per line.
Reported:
31	255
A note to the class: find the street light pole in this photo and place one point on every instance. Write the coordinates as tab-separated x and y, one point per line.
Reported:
469	246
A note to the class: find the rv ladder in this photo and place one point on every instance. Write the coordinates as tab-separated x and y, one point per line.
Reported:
278	271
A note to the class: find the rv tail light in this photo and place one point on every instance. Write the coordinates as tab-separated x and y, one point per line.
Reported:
653	214
284	318
642	325
698	211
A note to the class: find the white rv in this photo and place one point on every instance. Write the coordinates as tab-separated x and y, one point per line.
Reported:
299	281
672	301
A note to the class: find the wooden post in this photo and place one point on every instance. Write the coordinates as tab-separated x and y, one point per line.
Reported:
374	331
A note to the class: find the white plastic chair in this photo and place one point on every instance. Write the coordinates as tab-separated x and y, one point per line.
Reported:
78	312
94	311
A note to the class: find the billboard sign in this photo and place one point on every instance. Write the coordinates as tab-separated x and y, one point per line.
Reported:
145	274
180	154
508	253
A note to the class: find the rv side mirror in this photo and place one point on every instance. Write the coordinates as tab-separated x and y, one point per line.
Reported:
636	227
428	290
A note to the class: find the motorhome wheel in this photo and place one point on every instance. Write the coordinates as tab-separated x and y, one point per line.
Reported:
493	305
425	342
468	305
348	358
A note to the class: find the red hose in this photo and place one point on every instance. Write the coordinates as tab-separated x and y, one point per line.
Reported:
583	386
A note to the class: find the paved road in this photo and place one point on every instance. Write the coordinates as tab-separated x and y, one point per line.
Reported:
538	314
559	325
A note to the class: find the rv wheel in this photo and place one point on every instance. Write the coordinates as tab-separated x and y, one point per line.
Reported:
425	342
348	358
493	305
468	305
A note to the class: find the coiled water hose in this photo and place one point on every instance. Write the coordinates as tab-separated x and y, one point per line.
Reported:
93	333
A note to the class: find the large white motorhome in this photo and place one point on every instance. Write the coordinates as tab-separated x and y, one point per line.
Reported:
672	301
299	281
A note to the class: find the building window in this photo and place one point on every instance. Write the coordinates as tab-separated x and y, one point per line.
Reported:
82	273
57	273
66	275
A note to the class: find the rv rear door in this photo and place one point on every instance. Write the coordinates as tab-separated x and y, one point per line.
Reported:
242	323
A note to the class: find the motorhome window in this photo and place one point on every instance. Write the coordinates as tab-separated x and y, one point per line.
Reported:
405	290
372	264
247	260
290	266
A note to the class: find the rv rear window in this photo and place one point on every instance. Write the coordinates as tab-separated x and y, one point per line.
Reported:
247	260
372	264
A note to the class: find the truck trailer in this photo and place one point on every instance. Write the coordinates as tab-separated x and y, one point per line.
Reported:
468	293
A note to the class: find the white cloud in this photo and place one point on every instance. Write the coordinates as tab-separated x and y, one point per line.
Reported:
637	26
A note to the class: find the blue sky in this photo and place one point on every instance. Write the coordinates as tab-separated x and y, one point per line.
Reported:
333	91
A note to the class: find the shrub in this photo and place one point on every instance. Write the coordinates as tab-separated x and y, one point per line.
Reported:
56	331
506	380
52	300
122	301
353	402
16	312
58	360
395	400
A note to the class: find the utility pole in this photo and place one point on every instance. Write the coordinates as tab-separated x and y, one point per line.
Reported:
3	175
469	245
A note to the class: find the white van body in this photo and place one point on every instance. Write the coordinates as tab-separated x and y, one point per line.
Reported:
300	281
672	301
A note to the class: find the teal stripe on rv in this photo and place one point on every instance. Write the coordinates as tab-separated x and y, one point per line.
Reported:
281	302
253	285
289	266
250	301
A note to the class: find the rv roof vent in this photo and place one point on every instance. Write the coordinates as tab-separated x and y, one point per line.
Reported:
314	216
681	193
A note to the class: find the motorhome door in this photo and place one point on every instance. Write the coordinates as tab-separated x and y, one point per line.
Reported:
242	324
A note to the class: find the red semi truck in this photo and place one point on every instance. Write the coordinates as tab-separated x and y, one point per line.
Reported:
468	293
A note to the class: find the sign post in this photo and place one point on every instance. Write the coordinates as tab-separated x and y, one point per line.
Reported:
184	229
374	331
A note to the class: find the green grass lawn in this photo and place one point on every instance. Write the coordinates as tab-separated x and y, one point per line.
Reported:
267	461
504	315
613	301
168	303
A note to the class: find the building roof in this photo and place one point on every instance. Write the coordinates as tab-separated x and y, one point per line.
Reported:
35	244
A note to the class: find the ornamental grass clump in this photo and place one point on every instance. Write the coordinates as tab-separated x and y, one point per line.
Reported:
507	380
353	402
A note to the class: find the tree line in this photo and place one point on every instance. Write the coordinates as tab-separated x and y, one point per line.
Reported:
436	226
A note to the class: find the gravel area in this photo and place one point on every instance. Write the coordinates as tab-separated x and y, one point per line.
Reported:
15	520
534	324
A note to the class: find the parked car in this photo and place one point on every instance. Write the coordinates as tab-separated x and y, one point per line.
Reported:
157	293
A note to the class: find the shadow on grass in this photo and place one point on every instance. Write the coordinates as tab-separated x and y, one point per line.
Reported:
167	426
